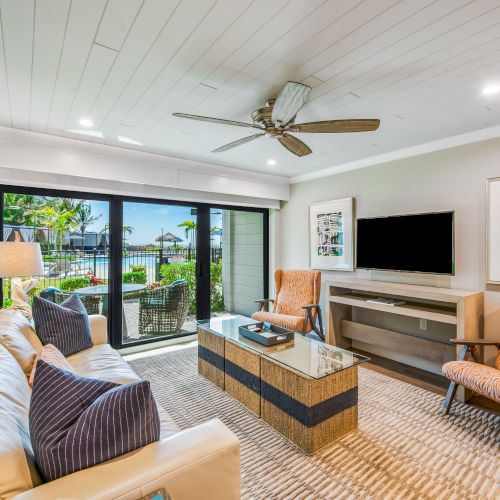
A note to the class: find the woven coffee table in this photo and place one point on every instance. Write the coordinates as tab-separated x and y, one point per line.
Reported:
305	389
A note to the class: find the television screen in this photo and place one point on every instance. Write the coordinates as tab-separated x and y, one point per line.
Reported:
421	243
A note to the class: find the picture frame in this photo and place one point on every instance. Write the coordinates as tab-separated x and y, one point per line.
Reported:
331	235
493	231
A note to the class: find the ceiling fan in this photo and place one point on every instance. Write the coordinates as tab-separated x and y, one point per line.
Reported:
277	119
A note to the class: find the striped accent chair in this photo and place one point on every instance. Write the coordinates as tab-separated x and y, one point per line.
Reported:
479	378
296	302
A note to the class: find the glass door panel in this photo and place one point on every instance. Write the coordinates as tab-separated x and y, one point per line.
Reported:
158	271
73	235
237	261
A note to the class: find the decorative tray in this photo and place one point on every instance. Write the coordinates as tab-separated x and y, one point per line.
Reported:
266	333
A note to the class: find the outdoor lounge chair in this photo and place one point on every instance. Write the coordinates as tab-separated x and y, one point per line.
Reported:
163	310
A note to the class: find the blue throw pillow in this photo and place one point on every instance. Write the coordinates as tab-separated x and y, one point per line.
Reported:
64	325
78	422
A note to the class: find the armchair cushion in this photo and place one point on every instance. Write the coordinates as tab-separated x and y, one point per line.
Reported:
479	378
294	323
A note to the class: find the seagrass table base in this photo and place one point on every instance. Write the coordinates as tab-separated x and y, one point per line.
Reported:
311	412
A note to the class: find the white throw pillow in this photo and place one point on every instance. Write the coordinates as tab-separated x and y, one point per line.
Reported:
51	354
14	332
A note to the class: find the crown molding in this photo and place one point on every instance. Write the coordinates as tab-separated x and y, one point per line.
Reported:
399	154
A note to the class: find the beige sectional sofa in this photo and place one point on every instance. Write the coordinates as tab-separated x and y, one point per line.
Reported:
201	462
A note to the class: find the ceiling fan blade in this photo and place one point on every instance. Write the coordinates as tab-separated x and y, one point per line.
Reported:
291	98
216	120
294	145
337	126
237	143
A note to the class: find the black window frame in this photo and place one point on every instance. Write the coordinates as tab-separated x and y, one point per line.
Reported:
203	211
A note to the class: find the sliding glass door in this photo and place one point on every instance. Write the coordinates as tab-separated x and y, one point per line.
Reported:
158	271
152	267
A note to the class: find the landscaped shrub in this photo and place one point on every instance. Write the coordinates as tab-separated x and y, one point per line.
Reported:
187	271
71	284
216	292
138	269
53	258
181	271
135	277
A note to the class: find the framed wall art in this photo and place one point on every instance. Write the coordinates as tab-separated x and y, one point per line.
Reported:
331	229
493	231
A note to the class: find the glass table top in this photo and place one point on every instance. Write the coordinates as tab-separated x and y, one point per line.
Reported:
308	356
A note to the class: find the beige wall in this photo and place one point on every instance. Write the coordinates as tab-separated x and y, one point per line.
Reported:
453	179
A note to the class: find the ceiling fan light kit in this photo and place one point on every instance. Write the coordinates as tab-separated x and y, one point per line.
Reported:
276	119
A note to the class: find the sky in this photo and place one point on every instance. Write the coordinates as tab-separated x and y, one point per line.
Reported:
147	221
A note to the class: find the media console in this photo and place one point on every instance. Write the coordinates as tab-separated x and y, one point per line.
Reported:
461	309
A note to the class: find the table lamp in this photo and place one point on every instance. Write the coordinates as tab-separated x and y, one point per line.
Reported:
19	259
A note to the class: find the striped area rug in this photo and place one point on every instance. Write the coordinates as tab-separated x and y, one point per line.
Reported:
404	446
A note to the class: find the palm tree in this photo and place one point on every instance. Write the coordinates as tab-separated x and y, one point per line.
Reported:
190	229
59	221
126	230
20	209
84	217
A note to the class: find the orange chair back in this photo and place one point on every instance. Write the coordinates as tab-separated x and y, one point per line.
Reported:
295	288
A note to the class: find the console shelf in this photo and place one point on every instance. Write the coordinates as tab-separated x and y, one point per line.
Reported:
462	309
429	312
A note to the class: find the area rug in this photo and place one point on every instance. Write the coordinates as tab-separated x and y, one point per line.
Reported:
404	446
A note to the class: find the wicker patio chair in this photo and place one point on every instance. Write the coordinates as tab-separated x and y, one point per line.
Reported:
163	310
92	303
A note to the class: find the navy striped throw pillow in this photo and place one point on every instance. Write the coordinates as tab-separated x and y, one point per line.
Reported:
78	422
64	325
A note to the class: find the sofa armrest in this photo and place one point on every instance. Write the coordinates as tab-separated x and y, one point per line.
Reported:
98	329
201	462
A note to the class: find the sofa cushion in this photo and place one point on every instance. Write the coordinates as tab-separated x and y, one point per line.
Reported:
104	363
51	354
13	339
64	325
78	422
17	470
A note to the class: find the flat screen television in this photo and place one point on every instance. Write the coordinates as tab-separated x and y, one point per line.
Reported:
420	243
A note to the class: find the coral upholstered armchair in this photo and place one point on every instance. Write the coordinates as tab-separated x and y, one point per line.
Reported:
484	380
296	302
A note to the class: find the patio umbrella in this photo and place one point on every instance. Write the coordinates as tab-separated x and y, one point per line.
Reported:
169	238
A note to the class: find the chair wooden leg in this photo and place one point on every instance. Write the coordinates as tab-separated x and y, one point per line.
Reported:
450	396
319	330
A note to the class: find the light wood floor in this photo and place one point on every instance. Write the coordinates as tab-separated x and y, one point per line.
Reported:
420	378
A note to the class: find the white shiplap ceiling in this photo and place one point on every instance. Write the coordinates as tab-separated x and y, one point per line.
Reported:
419	66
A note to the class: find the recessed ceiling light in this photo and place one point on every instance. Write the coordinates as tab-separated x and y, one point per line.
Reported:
92	133
86	122
128	140
494	88
271	162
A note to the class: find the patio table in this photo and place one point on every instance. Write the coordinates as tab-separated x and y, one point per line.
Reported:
104	290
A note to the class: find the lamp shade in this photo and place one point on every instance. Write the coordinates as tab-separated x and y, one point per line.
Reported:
20	259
